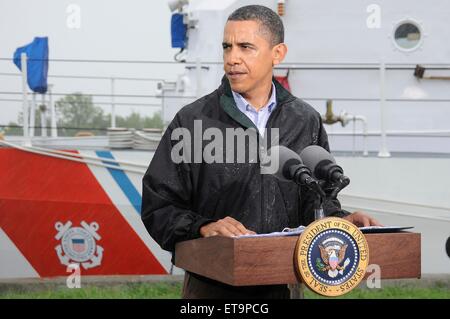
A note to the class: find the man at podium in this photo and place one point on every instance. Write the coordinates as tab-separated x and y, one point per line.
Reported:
184	200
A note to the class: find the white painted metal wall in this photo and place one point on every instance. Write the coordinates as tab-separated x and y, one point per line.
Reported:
334	54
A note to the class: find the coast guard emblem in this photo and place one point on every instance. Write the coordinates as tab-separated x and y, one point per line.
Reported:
78	244
331	256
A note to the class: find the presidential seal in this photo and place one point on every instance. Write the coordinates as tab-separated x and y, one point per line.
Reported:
78	244
331	256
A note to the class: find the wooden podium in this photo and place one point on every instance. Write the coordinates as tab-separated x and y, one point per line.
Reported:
270	260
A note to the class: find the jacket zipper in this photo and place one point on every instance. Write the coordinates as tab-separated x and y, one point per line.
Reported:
262	179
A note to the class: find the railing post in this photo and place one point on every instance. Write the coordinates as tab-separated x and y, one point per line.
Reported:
113	105
383	150
198	69
43	117
52	111
23	61
32	114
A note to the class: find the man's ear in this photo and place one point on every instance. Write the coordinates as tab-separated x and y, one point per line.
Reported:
279	51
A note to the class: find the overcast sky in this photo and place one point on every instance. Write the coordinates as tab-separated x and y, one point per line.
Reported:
111	30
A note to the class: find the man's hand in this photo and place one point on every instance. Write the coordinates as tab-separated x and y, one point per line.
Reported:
362	220
227	226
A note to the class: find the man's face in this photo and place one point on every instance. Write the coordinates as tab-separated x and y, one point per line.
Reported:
248	56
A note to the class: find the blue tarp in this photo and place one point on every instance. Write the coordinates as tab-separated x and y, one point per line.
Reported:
37	63
178	31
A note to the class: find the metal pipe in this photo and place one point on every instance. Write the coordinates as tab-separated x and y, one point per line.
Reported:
281	8
329	117
363	119
92	77
419	73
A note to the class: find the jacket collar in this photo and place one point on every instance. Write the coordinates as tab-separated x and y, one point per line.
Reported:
229	106
282	93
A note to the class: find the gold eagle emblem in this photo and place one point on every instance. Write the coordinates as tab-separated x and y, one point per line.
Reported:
332	253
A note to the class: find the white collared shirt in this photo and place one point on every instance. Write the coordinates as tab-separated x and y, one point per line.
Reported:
259	118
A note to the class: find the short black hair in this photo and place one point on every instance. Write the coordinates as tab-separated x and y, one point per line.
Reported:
269	20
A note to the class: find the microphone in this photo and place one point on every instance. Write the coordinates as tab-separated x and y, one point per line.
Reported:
291	167
323	165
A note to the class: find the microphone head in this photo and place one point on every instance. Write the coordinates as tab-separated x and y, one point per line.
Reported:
314	156
286	158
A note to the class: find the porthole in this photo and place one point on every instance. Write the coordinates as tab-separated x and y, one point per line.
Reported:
407	36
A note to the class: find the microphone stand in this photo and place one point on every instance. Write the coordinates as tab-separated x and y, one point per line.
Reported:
336	187
339	185
318	208
333	190
302	176
334	173
321	191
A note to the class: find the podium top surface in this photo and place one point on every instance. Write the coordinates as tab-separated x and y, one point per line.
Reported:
270	260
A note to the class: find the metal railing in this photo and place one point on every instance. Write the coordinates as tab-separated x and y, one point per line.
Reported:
198	65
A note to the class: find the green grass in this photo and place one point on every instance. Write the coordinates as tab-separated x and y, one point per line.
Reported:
391	293
130	291
173	291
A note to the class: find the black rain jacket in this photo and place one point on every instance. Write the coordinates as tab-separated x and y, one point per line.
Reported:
177	199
